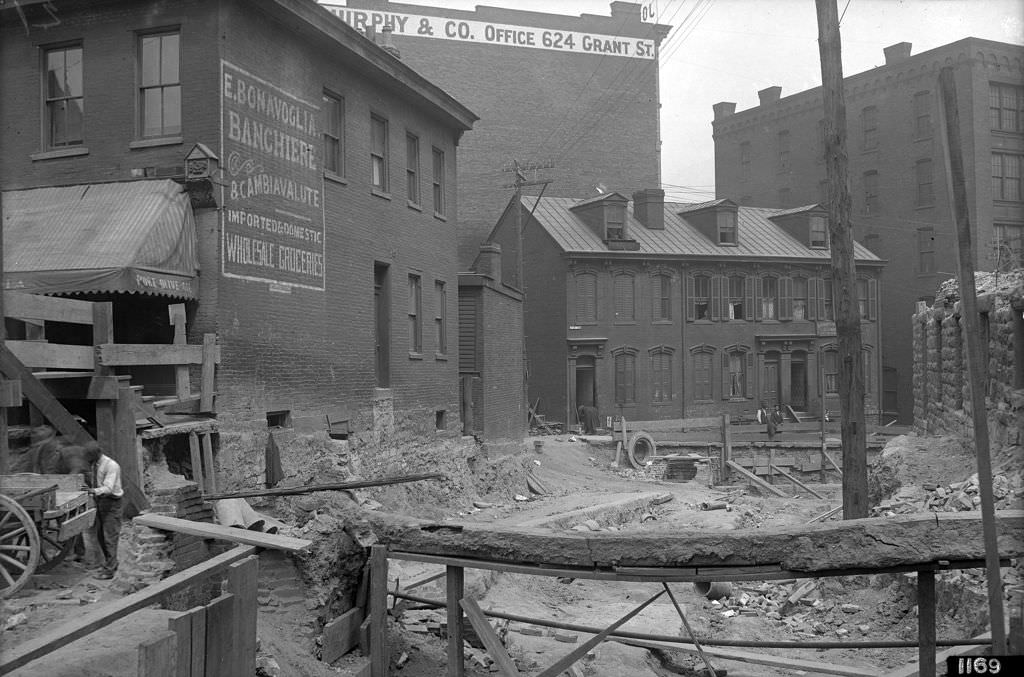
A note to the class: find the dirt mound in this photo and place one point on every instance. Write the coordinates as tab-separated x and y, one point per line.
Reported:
910	461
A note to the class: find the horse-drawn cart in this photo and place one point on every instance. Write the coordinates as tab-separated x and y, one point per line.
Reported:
39	517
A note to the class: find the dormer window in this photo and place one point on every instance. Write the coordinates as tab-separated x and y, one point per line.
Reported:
727	227
615	221
819	234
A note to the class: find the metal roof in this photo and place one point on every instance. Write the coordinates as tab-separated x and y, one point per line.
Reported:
759	237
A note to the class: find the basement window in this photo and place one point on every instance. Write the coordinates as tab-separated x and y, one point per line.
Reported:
440	420
279	419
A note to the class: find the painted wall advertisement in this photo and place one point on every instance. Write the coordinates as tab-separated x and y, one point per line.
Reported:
272	219
486	32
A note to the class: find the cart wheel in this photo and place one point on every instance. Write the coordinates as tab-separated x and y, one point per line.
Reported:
51	551
641	446
19	546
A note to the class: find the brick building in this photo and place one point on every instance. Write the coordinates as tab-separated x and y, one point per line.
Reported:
773	154
581	92
318	241
656	310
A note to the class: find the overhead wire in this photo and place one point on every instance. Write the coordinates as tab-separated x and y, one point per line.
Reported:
628	73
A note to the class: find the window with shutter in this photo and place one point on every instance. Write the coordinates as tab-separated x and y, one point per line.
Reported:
625	377
625	300
735	298
661	301
799	299
785	298
769	298
702	390
700	297
872	299
586	298
661	374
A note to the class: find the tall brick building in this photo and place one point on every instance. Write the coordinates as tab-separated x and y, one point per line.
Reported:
321	180
772	155
580	92
656	310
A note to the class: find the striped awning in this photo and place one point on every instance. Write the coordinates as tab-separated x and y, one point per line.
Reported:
134	237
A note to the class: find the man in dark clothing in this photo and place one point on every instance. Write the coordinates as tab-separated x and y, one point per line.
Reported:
108	494
589	419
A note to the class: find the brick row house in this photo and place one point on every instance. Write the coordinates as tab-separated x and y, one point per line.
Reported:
655	310
287	179
773	155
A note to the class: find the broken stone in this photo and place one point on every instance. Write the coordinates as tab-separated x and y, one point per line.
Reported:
842	632
568	638
593	525
865	628
850	608
13	621
531	630
266	666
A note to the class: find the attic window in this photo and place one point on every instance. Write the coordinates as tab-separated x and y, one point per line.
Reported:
727	228
615	221
819	235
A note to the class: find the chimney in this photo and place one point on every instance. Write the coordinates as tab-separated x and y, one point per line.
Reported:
896	53
385	40
488	261
649	208
723	109
769	95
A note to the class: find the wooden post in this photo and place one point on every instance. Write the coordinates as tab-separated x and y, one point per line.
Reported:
378	610
771	465
182	388
971	331
455	585
243	579
5	443
844	271
196	459
158	657
926	622
190	626
211	474
726	448
220	621
208	382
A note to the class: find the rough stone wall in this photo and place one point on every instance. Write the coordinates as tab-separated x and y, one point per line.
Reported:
942	403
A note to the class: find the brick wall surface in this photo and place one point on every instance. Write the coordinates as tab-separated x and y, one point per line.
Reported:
594	116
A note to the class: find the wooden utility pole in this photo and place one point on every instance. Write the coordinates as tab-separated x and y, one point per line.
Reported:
5	446
971	332
844	272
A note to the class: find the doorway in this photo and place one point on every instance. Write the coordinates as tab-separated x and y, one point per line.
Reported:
586	382
382	324
798	381
770	379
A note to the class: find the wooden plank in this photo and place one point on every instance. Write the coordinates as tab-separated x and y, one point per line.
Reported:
39	355
206	530
497	650
378	610
211	474
563	663
726	451
103	388
196	458
10	394
454	591
47	308
135	354
75	525
190	626
341	635
757	658
39	395
158	657
828	458
926	622
825	515
243	579
211	356
795	481
64	634
220	616
755	479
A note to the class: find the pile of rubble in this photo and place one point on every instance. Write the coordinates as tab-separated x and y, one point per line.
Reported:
1007	493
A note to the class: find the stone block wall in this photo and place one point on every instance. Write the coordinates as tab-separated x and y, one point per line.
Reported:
942	401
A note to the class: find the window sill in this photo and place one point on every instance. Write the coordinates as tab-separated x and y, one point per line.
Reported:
151	143
415	356
624	323
441	357
60	153
440	217
335	178
413	205
921	208
662	322
380	193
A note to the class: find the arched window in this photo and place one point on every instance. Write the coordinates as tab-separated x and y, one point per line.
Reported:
625	375
586	298
625	297
661	374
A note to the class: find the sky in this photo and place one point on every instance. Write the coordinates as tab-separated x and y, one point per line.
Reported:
727	50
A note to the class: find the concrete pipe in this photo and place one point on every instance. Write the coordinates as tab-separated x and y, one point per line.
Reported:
641	447
713	591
